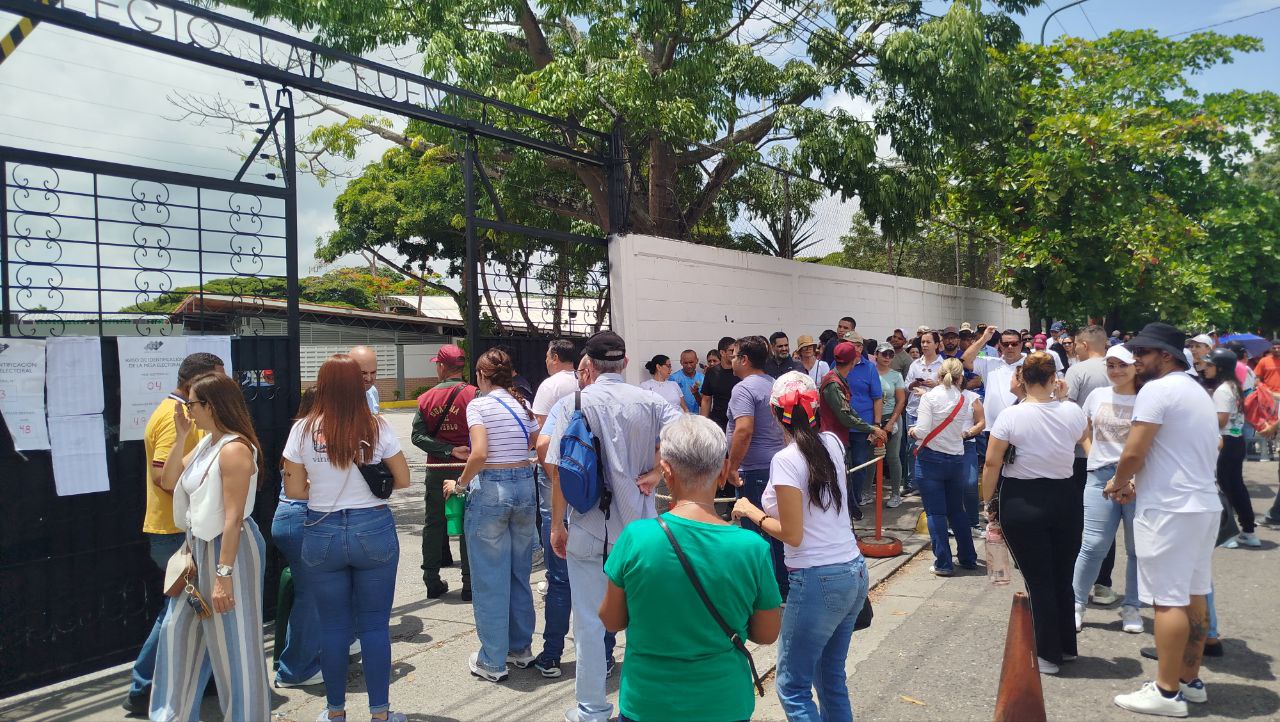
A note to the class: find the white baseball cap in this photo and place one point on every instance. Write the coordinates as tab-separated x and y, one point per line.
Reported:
1203	338
1121	354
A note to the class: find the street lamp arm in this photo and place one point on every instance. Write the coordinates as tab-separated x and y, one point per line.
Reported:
1055	12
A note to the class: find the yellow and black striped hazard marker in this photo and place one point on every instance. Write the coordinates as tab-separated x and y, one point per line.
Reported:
9	41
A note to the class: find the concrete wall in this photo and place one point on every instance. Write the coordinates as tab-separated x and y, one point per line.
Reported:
668	296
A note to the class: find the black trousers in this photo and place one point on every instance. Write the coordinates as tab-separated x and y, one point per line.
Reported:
1080	474
1231	480
435	538
1042	521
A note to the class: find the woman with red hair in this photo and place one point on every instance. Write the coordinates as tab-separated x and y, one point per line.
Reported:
349	544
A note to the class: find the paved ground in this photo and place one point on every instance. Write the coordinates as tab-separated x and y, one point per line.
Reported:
933	652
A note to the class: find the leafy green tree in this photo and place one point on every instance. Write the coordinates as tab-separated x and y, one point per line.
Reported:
1264	170
779	201
1116	188
699	87
349	287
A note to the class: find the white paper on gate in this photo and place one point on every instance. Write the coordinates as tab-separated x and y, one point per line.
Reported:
148	372
79	450
22	392
73	375
219	346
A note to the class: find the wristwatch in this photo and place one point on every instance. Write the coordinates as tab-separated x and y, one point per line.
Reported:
223	570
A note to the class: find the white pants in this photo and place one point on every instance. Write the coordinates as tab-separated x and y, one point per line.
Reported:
587	583
1175	555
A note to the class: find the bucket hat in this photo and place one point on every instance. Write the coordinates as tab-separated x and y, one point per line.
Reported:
1162	337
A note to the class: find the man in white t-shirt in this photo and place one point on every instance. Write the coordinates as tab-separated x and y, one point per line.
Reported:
562	381
1169	462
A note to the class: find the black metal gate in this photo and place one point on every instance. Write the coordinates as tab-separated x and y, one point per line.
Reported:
101	249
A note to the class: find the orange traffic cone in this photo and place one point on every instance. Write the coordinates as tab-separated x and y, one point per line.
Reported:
1020	698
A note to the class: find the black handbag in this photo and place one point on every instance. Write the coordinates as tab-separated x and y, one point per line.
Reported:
378	477
865	615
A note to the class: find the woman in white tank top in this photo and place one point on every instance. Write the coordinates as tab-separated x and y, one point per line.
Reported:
213	492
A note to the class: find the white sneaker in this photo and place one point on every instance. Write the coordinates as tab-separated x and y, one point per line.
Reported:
317	678
1103	595
1248	539
1149	700
1079	616
521	659
1193	691
474	663
354	649
1130	620
542	587
893	502
1046	667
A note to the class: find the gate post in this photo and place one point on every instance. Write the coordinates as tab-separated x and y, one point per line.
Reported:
470	273
617	180
289	171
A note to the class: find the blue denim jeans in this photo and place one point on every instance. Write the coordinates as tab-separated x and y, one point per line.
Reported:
350	557
1212	633
558	601
500	529
910	466
942	486
822	606
972	466
753	486
161	547
1101	519
300	657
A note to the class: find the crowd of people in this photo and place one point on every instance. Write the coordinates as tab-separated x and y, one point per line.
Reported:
1055	439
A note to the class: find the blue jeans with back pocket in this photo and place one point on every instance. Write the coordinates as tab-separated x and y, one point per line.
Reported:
822	606
500	529
350	557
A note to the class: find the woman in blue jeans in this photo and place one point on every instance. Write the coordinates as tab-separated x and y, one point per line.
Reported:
946	418
500	518
828	577
349	546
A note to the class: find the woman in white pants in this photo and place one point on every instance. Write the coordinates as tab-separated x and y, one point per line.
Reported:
213	491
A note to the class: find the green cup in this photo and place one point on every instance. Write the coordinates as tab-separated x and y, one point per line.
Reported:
454	507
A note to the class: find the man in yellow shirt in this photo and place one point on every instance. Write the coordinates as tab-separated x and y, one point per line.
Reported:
163	535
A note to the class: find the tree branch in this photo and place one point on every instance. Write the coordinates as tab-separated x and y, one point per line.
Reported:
732	28
539	50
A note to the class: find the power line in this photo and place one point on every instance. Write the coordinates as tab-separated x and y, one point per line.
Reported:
1226	22
82	100
96	68
96	131
1096	36
119	152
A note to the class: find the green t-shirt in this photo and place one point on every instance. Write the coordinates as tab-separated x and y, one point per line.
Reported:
889	383
679	664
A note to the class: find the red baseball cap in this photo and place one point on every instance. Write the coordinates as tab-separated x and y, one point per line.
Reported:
449	355
846	352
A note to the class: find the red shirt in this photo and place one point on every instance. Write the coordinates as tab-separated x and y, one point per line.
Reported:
453	429
1268	372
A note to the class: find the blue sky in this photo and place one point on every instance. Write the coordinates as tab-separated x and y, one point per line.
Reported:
1254	71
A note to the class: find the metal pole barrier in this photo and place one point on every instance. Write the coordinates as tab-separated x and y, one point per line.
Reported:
879	546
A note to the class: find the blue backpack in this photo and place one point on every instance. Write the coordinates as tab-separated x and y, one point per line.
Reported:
581	464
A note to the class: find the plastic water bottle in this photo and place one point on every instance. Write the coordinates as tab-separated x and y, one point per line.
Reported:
997	555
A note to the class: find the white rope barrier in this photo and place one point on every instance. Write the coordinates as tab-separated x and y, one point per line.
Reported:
719	500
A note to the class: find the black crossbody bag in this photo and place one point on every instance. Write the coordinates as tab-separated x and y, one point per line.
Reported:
738	644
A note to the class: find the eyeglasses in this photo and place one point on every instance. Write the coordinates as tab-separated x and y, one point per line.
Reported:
1141	351
189	404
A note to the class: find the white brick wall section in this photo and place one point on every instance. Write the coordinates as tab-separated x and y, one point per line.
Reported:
669	295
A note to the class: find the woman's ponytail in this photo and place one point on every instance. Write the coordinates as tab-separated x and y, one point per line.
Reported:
952	373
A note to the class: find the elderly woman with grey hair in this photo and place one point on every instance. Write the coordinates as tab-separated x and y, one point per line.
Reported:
680	665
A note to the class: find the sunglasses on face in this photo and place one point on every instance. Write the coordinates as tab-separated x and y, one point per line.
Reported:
197	402
888	354
1011	344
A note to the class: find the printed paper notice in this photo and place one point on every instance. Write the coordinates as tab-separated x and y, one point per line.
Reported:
74	375
219	346
22	392
79	451
148	372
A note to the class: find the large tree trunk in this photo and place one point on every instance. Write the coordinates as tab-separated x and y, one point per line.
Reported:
664	209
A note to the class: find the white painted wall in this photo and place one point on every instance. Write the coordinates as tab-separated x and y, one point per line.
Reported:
668	296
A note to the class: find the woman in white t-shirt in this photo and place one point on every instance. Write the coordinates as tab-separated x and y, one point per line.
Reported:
1040	510
945	419
349	543
659	367
1228	400
500	518
1110	416
828	577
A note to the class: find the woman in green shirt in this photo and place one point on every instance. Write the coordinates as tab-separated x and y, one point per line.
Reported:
895	401
680	665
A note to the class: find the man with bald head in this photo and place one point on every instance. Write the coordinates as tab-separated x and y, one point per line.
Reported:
368	361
